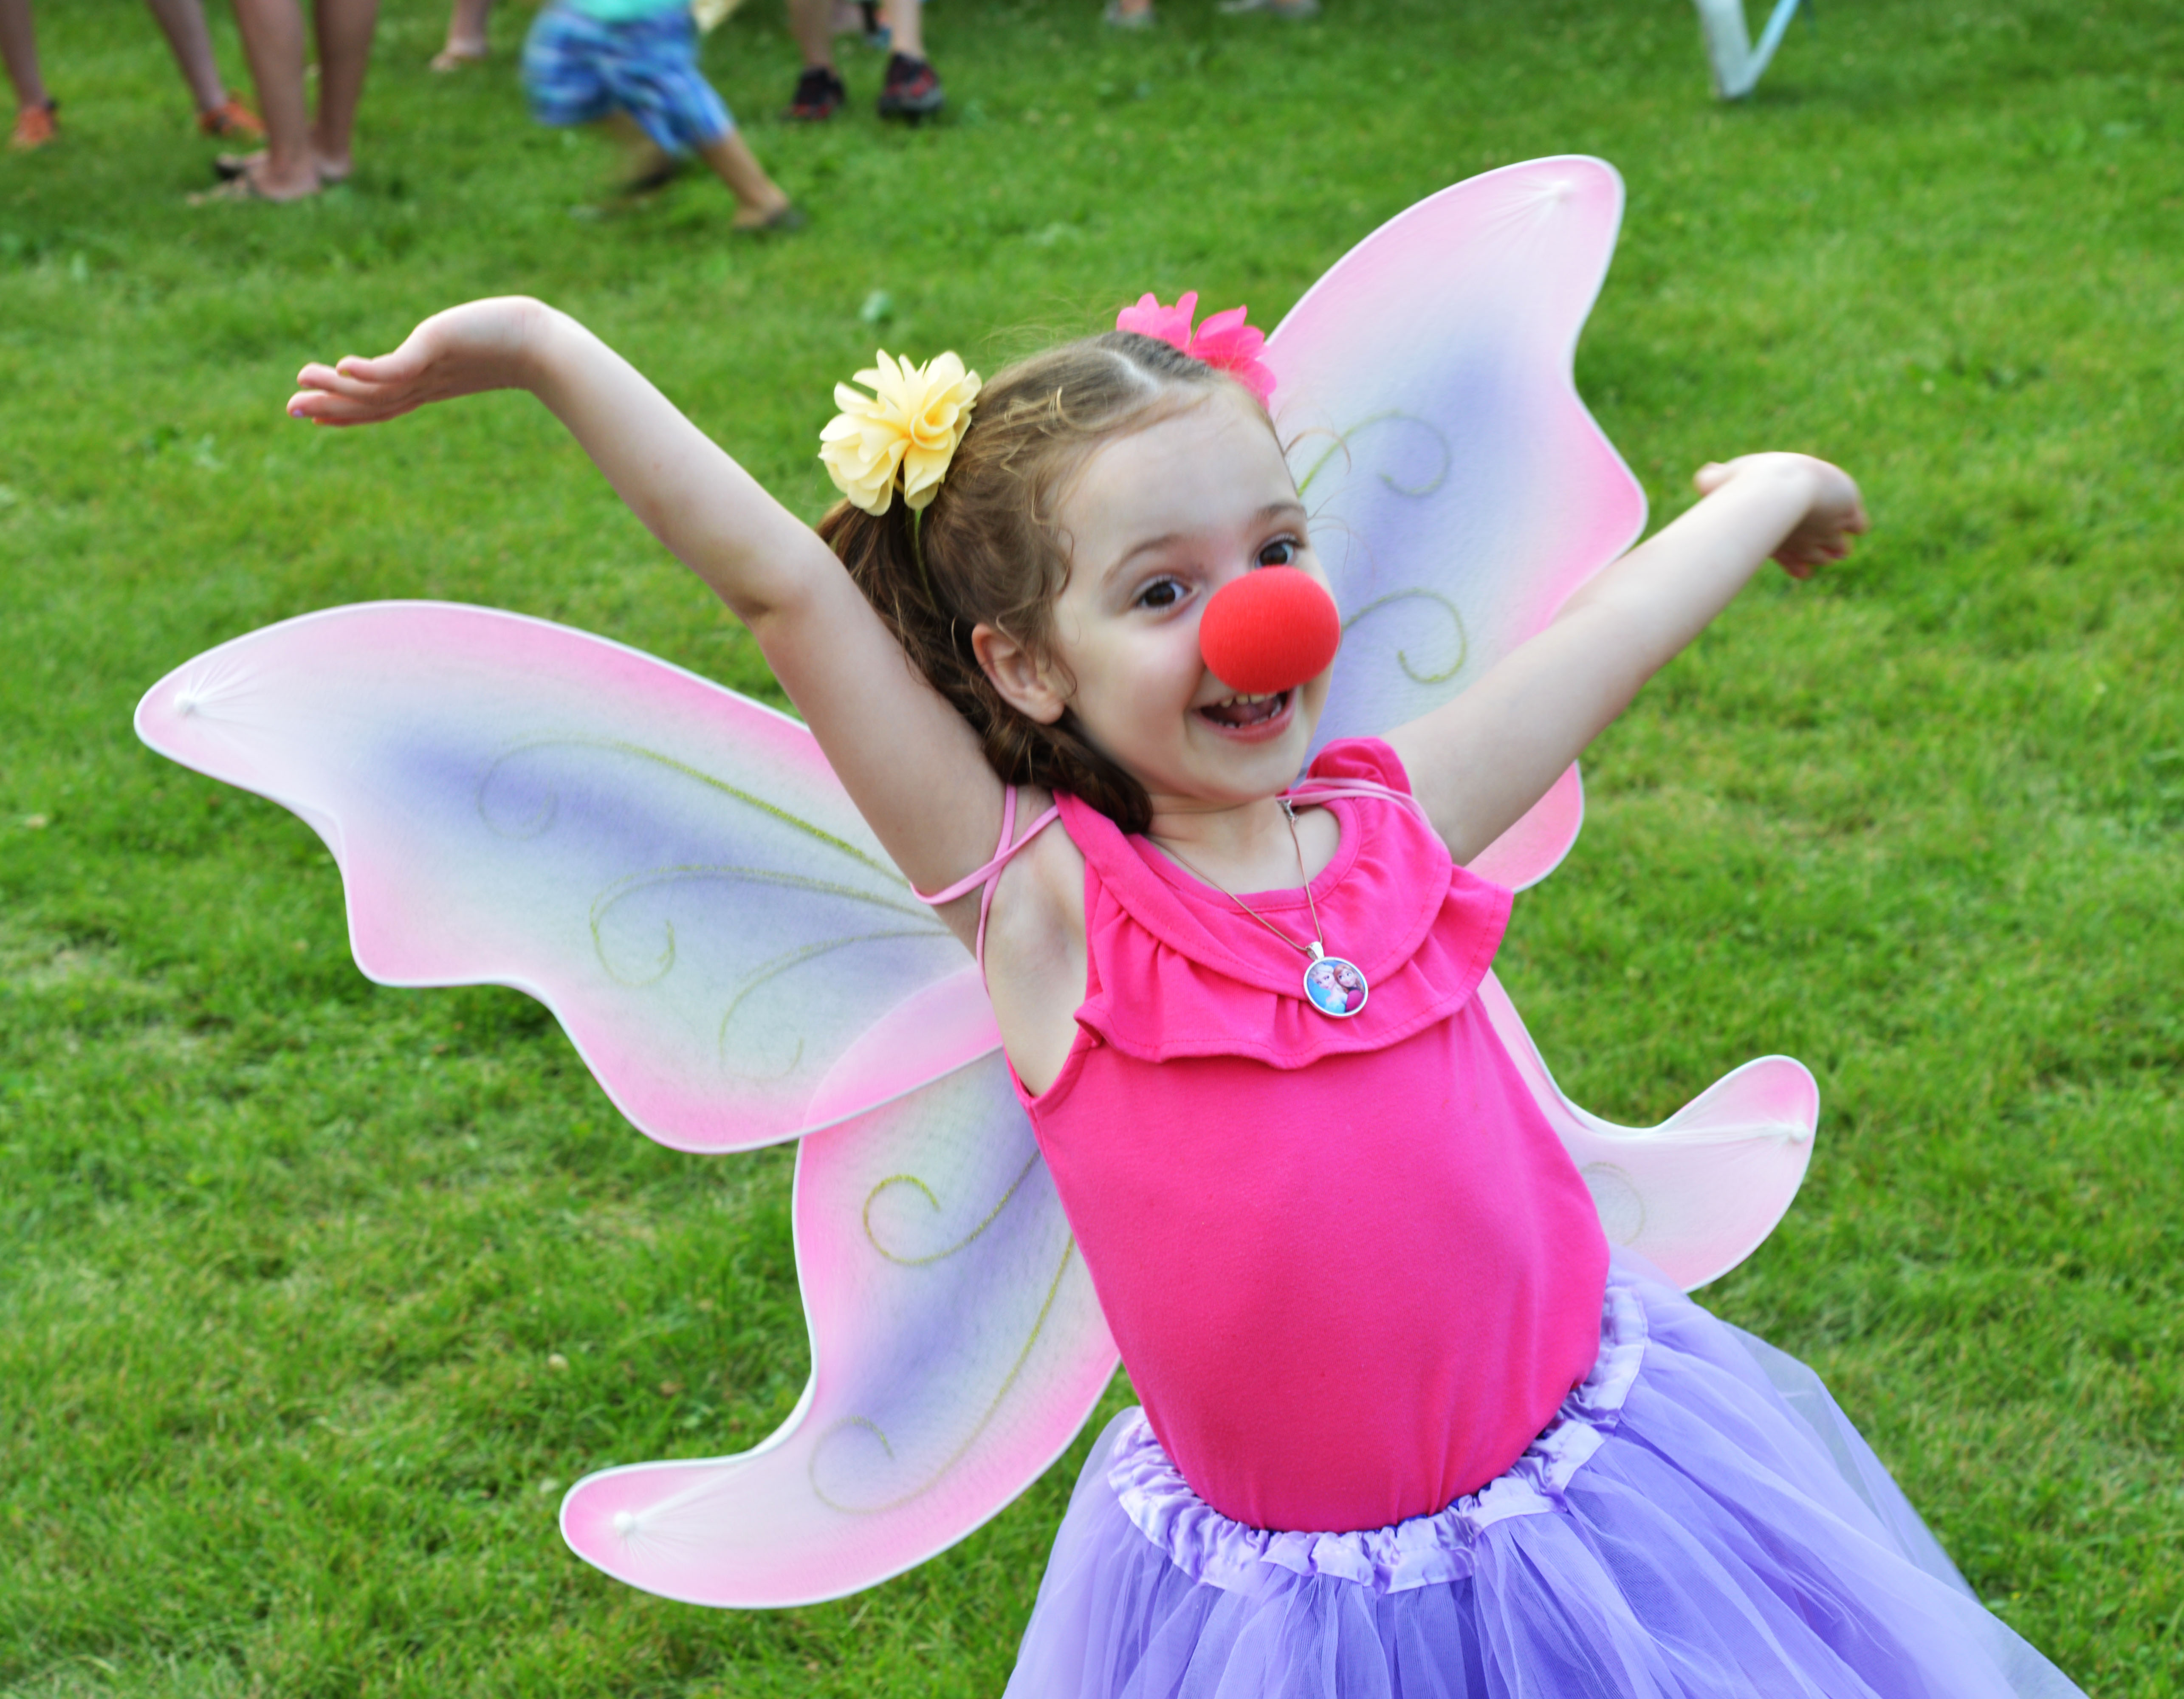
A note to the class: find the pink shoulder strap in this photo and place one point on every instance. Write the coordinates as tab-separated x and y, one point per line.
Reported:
989	876
1310	790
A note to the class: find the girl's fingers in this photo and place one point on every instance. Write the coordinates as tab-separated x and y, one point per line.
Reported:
404	366
385	370
337	381
318	407
316	376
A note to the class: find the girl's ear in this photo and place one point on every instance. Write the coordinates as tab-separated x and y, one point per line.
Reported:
1025	683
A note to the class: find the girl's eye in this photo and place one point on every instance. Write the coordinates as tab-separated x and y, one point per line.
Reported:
1281	553
1162	593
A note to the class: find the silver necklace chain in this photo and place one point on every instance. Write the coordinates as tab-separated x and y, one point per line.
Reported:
1317	948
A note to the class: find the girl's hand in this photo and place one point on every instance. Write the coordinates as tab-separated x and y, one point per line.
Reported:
479	346
1835	514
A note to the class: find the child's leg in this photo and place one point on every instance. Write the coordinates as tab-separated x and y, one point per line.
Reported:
273	41
912	90
650	66
812	24
906	22
344	31
19	47
646	166
819	91
183	22
759	198
466	37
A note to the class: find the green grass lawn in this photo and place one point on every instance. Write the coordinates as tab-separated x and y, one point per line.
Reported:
286	1260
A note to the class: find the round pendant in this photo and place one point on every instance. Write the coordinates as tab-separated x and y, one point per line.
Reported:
1335	987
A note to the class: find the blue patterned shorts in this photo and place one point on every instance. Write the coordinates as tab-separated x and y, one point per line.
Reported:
578	70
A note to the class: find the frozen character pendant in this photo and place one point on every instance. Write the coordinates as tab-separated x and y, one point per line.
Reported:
1335	987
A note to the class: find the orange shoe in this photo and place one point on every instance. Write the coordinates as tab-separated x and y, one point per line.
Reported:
35	127
231	122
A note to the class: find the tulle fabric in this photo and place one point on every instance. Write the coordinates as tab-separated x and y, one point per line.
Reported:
1712	1525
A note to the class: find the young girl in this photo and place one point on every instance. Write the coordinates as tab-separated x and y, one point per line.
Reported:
1409	1428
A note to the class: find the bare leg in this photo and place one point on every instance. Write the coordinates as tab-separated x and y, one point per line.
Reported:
183	21
758	198
19	47
912	92
466	36
812	23
907	19
344	30
646	166
273	40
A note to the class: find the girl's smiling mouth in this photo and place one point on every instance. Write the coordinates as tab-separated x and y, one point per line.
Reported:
1248	716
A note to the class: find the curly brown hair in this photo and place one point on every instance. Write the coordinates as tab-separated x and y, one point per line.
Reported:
992	553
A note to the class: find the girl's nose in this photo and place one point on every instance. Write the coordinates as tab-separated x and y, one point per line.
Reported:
1270	629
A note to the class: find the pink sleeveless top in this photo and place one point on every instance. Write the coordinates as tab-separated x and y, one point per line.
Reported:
1351	1268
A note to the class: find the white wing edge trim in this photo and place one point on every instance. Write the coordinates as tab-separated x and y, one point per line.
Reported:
1510	1028
1567	372
329	833
790	1425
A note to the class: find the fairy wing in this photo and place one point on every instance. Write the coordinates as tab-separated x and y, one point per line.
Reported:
957	1348
676	873
1460	491
672	869
1696	1194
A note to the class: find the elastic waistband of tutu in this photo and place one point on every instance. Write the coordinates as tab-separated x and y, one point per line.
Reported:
1419	1552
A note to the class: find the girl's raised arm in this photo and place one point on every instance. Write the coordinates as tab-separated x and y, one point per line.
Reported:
1483	759
910	761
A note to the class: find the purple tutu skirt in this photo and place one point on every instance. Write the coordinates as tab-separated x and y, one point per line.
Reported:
1700	1519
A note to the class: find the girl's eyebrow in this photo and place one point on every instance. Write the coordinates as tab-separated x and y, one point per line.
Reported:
1272	509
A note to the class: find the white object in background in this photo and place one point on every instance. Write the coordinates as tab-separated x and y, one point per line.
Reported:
1737	65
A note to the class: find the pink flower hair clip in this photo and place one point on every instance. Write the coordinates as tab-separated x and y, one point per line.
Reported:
1224	340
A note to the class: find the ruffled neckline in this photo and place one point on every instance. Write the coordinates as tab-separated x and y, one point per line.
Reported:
1178	969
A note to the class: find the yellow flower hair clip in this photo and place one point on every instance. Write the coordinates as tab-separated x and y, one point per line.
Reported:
905	431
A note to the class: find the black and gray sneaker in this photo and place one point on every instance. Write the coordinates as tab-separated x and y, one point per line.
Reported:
819	96
913	89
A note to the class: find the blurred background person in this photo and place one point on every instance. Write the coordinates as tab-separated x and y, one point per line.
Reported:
35	124
37	121
632	65
1138	14
220	113
303	152
911	90
466	38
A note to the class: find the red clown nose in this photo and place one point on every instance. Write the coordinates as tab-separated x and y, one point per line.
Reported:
1269	630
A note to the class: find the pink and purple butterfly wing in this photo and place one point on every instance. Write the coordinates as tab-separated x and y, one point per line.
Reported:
1459	490
675	871
957	1348
677	874
672	869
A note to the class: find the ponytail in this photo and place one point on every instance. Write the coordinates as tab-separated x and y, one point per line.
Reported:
882	557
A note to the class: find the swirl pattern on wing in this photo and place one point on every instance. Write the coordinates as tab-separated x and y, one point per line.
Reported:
673	868
1459	490
956	1348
